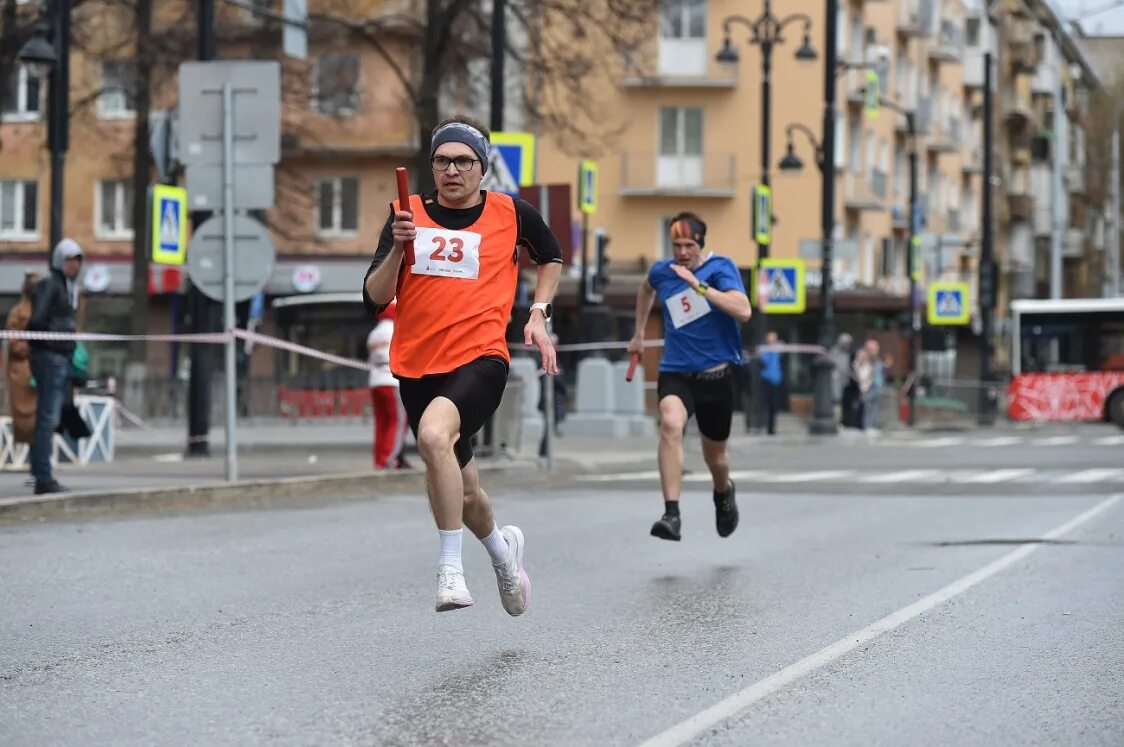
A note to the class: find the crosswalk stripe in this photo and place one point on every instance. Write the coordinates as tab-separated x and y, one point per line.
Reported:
1091	475
745	474
826	474
621	476
920	475
1110	441
995	475
1056	441
998	441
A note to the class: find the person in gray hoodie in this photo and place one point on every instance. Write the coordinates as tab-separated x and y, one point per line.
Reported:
53	307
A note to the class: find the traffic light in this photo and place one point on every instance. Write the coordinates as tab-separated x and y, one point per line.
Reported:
600	276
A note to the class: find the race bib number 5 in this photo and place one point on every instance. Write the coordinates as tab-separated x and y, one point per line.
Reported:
445	253
686	307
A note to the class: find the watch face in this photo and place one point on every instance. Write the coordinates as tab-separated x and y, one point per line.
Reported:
547	310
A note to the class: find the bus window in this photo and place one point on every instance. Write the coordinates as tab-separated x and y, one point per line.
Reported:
1071	343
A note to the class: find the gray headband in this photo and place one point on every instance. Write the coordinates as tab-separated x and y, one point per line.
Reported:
458	132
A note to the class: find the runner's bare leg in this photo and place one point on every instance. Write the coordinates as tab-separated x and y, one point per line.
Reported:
438	430
718	461
478	515
673	418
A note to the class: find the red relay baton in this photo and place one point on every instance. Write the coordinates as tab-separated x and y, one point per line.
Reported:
404	204
632	364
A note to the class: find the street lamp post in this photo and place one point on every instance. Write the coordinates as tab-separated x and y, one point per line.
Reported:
767	31
50	59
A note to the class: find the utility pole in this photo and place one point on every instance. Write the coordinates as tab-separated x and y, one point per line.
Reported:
913	262
499	49
199	307
58	123
1114	202
989	278
1058	146
823	415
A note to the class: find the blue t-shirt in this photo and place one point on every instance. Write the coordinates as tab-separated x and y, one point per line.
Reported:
697	335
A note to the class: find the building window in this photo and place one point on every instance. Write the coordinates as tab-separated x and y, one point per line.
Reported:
972	32
337	84
115	209
683	19
20	98
680	160
337	206
19	210
889	262
118	80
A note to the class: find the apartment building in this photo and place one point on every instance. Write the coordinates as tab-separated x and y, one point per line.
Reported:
1046	203
693	142
345	127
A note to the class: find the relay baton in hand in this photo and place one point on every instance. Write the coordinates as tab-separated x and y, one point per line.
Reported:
404	204
633	362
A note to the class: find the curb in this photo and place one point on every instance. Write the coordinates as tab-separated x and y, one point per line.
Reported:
241	494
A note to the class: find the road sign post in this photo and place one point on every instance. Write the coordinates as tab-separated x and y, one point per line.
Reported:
231	132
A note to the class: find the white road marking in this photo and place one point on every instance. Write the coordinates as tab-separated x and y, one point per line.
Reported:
700	723
1091	475
745	474
177	457
998	441
908	475
1055	441
996	475
651	474
1110	441
935	443
826	474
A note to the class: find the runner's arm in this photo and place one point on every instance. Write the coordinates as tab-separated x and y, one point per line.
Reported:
730	302
645	296
381	282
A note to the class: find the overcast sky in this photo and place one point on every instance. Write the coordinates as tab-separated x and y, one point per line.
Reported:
1109	22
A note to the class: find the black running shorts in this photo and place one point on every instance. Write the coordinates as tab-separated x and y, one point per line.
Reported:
476	389
708	395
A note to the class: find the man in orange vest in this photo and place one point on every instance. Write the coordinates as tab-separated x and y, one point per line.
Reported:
449	351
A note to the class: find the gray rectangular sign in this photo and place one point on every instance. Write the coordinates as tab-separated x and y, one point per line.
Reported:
253	187
257	112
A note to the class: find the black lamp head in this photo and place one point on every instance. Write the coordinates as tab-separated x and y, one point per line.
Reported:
791	161
37	54
806	51
727	53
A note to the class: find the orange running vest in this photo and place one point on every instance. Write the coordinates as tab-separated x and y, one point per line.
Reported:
455	301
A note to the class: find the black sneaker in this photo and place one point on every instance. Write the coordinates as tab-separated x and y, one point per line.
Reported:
667	528
53	486
725	512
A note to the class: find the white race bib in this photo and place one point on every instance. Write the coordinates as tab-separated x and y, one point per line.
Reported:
447	254
686	307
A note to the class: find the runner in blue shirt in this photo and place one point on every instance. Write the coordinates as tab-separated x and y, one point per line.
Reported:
703	300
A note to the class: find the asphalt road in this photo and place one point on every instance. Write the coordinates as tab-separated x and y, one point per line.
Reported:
902	612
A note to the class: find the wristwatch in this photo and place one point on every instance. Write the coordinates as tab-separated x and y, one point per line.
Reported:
546	309
702	288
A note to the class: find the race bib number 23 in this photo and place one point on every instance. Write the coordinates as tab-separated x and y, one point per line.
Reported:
686	307
446	253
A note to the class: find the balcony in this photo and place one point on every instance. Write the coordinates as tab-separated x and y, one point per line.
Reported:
678	64
973	161
952	224
1017	107
899	216
945	139
648	174
861	193
1073	243
949	44
1075	179
909	18
974	69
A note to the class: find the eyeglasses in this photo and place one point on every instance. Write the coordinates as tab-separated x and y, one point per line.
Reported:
463	163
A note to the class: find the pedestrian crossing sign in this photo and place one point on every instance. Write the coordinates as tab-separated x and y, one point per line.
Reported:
949	304
762	214
169	224
511	164
783	286
587	187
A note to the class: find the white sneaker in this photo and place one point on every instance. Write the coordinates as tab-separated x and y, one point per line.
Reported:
452	592
515	586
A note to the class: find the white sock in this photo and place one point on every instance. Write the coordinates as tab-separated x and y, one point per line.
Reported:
451	548
496	546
